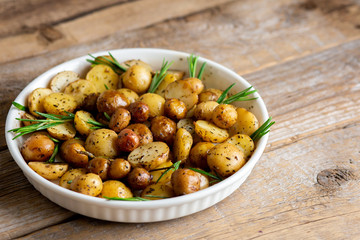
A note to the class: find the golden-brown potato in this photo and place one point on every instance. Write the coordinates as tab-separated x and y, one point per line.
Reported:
102	142
128	140
70	175
89	103
80	89
225	159
204	110
210	132
182	90
103	77
246	123
224	115
137	78
210	94
133	62
49	171
188	124
37	148
119	168
175	109
185	181
196	84
129	94
63	131
114	188
163	129
81	122
155	103
171	76
158	191
110	100
156	174
59	103
72	151
204	180
139	178
244	143
28	116
99	166
62	79
198	155
36	100
139	111
182	145
144	133
89	184
120	119
149	156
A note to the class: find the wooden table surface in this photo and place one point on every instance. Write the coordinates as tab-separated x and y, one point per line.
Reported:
303	56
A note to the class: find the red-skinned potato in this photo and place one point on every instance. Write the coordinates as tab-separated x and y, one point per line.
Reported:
139	178
120	119
37	148
144	133
128	140
139	112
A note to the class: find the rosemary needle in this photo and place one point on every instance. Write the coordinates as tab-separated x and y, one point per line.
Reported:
159	76
262	130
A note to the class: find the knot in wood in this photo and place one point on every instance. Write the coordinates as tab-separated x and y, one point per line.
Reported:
50	33
331	178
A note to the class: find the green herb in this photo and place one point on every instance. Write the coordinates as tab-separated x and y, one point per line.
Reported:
106	87
153	196
262	130
114	64
53	120
159	76
127	199
52	158
175	166
53	139
223	95
97	125
19	106
192	61
240	96
206	173
69	182
107	116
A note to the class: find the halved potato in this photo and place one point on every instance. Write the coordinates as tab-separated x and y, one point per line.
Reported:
182	90
129	94
188	124
62	131
157	174
62	79
81	122
50	171
70	175
210	132
182	145
246	123
155	103
59	103
103	77
244	143
158	191
36	100
170	77
149	156
80	89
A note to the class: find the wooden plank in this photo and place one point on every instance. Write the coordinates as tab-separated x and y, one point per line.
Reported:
97	25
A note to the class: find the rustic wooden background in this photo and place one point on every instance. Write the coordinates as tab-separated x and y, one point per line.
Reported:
303	56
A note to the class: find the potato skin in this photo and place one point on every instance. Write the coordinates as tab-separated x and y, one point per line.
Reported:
59	103
70	175
144	133
81	122
224	115
159	189
163	129
156	174
149	156
196	84
155	103
99	166
182	145
119	168
175	109
225	159
70	152
210	94
185	181
246	123
204	110
37	148
120	119
137	78
89	184
139	178
49	171
139	112
129	94
102	142
36	100
114	188
198	155
110	100
128	140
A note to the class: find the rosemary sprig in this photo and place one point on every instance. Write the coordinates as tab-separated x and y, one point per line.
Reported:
107	116
223	95
240	96
159	76
114	64
19	106
97	125
175	166
127	199
52	158
153	196
262	130
216	177
192	61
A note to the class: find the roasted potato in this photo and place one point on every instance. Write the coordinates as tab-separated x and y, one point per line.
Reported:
196	84
73	152
28	116
185	181
114	188
128	140
210	94
139	112
156	174
120	119
170	77
198	155
188	124
149	156
103	77
81	122
155	103
129	94
246	123
110	100
210	132
175	109
144	133
70	175
204	110
63	79
80	89
63	131
244	143
119	168
139	178
137	78
36	100
182	90
59	103
49	171
182	145
99	166
163	129
89	184
37	148
158	191
102	142
224	115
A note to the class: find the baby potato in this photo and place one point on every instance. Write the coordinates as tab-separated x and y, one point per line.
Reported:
72	151
163	129
155	103
204	181
224	115
133	62
210	132
156	174
81	124
139	111
63	131
36	100
70	175
89	103
139	178
171	76
184	91
26	115
49	171
246	123
244	143
129	94
89	184
149	156
37	148
188	124
62	79
144	133
102	142
80	89
204	110
175	109
198	155
103	77
99	166
59	103
185	181
114	188
137	78
120	119
119	168
210	94
158	191
182	145
128	140
196	84
110	100
225	159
